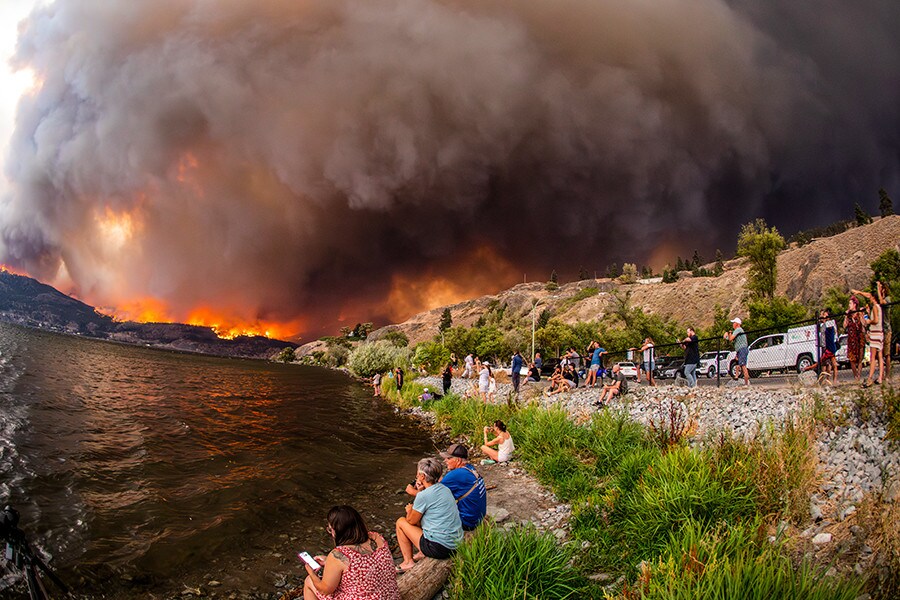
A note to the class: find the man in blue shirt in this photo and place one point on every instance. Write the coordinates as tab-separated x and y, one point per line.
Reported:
467	486
516	371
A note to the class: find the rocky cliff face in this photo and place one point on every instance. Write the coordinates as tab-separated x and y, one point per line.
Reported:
804	273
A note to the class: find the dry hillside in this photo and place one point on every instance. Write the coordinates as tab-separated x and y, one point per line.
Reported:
804	273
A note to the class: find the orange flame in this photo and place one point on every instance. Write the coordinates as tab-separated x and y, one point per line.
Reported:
13	270
231	326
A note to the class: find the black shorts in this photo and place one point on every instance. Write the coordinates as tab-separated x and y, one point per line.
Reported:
434	550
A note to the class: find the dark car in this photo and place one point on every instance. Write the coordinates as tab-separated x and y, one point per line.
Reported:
548	366
672	370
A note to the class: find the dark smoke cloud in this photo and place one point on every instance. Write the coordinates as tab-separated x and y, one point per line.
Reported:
287	157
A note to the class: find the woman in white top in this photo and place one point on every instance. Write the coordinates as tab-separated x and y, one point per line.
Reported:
484	382
503	441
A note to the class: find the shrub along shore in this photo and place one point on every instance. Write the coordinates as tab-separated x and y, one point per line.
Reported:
656	512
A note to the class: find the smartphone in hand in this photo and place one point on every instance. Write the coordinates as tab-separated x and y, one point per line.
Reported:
309	560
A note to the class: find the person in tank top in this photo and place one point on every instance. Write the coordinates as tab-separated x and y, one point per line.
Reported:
503	441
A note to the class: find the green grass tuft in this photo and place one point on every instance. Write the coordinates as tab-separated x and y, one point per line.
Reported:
520	563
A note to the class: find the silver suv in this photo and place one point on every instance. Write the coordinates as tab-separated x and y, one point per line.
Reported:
708	363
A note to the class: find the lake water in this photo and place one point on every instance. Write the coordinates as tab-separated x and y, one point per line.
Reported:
137	469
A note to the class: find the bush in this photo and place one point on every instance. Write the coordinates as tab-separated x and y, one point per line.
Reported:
287	355
733	562
376	357
521	563
432	355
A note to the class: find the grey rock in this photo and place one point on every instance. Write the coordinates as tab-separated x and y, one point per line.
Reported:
822	538
497	513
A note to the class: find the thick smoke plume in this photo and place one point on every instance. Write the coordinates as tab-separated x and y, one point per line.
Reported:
300	161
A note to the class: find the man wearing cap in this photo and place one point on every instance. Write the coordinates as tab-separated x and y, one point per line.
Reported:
467	486
739	338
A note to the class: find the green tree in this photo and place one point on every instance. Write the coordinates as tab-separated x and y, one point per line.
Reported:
432	355
696	260
490	344
885	205
459	340
761	244
553	284
397	338
613	271
862	217
886	268
720	264
555	336
669	275
544	317
721	324
446	320
834	299
287	355
629	273
778	311
582	274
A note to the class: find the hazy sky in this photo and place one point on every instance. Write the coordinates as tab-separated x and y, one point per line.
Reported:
326	161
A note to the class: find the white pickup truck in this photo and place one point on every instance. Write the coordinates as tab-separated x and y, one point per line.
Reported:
794	350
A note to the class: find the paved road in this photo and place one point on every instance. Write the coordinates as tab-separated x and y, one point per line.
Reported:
845	377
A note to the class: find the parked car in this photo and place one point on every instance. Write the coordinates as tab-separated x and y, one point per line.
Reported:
548	366
628	369
673	370
841	354
708	364
791	351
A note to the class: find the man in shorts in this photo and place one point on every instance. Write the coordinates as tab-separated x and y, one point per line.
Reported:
741	348
618	387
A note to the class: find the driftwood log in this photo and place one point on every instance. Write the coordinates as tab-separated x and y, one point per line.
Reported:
424	580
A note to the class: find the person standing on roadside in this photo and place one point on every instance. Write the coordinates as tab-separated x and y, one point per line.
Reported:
741	347
648	361
594	352
691	345
882	292
515	373
856	340
874	320
538	361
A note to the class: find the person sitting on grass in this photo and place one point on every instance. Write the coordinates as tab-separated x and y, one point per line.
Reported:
503	441
432	522
618	387
360	566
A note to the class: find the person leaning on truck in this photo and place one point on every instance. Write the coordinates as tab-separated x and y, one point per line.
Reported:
739	338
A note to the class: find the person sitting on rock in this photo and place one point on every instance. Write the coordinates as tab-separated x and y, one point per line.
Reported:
534	374
432	521
360	566
556	382
465	483
618	387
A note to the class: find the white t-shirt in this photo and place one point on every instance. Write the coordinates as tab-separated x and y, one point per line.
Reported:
648	354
